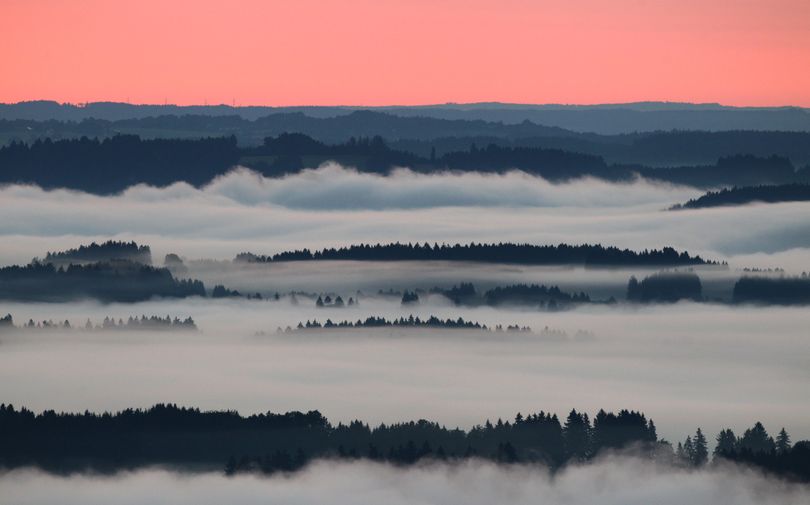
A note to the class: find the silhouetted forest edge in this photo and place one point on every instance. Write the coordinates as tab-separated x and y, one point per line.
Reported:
267	443
87	163
749	194
142	323
116	271
526	254
410	321
113	281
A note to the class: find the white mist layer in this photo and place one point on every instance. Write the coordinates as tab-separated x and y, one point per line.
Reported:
614	481
333	187
332	206
685	365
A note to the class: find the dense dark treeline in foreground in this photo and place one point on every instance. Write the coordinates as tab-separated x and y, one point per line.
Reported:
115	163
749	194
526	254
268	443
106	251
142	323
114	281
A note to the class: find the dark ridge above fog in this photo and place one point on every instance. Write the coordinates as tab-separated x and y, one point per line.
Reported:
526	254
110	164
749	194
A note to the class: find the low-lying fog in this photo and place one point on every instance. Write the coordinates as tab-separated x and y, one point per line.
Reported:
333	206
345	278
614	481
685	365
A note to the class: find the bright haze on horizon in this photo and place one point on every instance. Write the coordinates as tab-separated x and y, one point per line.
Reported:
365	52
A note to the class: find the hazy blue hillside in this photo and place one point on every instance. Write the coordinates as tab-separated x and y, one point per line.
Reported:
604	119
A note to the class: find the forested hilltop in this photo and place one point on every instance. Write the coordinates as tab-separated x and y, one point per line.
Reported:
749	194
113	281
527	254
268	443
106	251
114	163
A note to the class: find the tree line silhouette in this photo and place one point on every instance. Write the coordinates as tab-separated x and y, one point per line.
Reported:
533	294
114	163
665	287
465	294
673	286
109	323
406	322
795	192
732	170
773	290
527	254
291	152
113	281
269	443
106	251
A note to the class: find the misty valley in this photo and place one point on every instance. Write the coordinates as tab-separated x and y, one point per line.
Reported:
478	319
445	304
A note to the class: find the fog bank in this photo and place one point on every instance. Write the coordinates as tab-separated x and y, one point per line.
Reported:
684	365
332	206
614	481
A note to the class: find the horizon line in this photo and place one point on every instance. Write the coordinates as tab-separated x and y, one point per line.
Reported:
414	106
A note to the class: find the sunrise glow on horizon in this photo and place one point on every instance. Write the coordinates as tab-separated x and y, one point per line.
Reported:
364	52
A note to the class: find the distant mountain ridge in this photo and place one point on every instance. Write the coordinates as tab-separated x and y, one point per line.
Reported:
597	118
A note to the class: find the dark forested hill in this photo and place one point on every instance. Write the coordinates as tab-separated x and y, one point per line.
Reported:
773	290
106	251
115	163
749	194
114	281
527	254
665	287
740	170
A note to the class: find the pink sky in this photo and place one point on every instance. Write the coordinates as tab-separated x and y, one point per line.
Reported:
375	52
